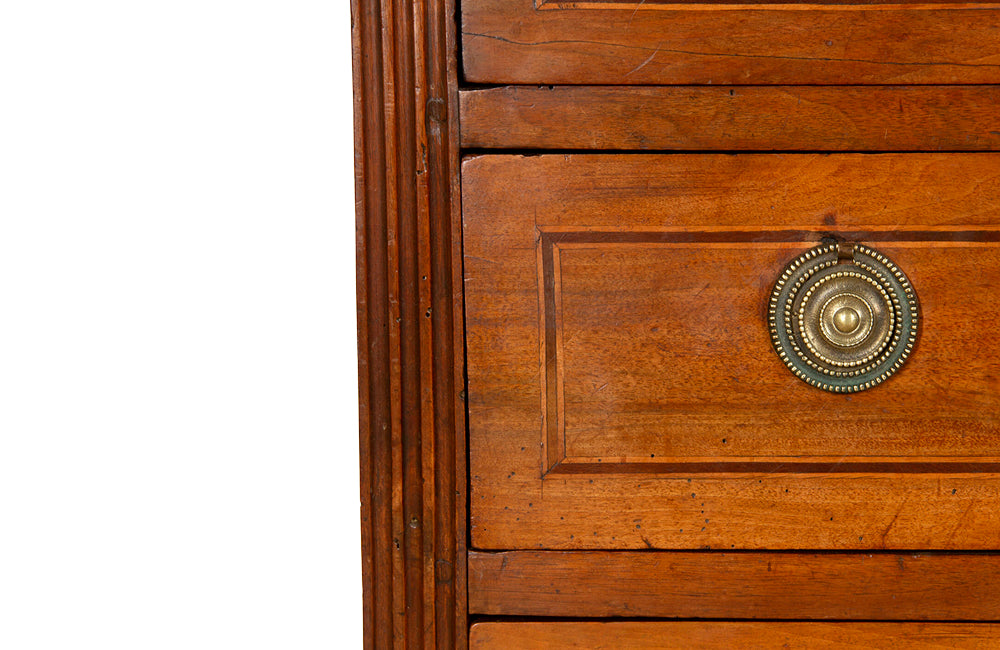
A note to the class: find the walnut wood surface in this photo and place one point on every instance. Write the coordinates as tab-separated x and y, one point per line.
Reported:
410	324
804	5
527	490
698	635
512	42
810	118
663	353
622	389
845	586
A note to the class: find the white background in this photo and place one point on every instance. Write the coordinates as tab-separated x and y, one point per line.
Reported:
178	397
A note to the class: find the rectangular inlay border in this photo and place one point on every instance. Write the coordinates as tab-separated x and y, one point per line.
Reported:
551	242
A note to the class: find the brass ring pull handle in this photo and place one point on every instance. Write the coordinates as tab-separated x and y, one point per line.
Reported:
843	317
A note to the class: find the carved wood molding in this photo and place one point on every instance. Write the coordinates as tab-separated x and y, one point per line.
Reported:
409	324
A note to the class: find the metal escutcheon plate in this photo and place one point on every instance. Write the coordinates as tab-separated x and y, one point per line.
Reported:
843	318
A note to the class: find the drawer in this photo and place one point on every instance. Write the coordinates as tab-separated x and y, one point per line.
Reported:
712	118
623	388
675	42
707	635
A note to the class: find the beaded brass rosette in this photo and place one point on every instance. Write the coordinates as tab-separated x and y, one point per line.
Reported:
843	318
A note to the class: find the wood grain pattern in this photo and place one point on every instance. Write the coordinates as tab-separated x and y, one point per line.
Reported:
510	42
629	311
809	118
804	5
655	354
844	586
662	635
410	324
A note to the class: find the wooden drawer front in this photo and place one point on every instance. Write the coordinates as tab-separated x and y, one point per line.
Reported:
656	42
623	392
714	118
741	585
727	635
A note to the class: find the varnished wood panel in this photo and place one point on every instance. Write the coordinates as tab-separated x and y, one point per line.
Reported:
748	193
705	635
753	4
409	324
810	118
842	586
662	354
627	396
512	42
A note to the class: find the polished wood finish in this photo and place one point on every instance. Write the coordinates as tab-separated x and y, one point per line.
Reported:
705	635
694	118
803	5
410	324
512	42
622	389
844	586
688	371
622	395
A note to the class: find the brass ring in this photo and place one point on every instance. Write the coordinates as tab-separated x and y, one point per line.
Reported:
843	325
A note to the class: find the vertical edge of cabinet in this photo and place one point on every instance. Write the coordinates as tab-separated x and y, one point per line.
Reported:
410	324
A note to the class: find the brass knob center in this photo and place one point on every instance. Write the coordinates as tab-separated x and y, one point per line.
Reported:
844	316
846	320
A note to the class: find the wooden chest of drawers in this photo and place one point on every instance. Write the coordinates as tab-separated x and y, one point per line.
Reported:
598	406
